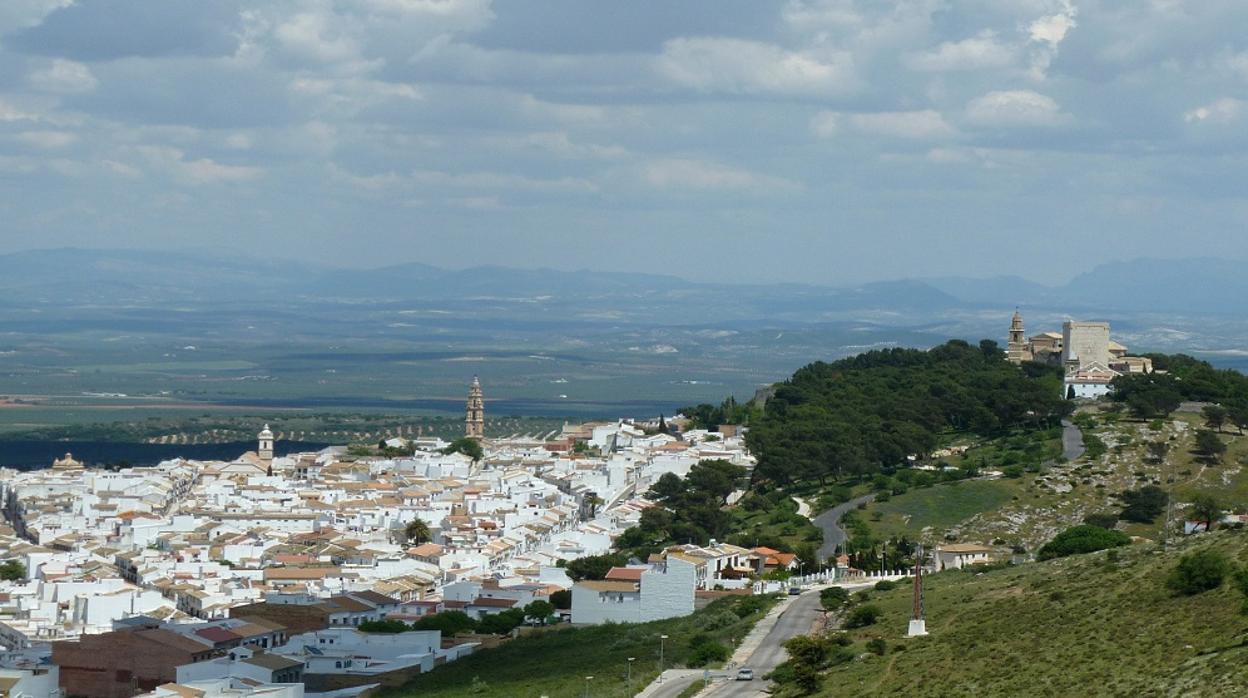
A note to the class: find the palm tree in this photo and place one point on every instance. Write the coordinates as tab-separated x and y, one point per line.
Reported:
417	531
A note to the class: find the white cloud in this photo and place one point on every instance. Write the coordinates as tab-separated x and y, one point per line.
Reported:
927	123
1222	111
684	173
47	140
825	124
1046	33
560	144
20	14
920	124
9	112
1013	108
201	171
317	36
423	179
64	76
736	66
977	53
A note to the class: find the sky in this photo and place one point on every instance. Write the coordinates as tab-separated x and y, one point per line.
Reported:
820	141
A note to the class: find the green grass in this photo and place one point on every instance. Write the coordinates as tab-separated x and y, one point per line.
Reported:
1080	626
939	507
779	525
555	662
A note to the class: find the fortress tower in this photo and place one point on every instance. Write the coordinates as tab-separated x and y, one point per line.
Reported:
474	423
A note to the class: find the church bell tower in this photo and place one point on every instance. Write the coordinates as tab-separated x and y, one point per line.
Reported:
474	423
265	451
1016	351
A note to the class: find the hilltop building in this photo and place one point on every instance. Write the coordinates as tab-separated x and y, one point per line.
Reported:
1090	359
474	423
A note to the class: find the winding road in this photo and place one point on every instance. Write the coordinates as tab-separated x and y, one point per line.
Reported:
830	522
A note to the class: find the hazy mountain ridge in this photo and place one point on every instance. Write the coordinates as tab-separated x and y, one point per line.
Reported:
72	276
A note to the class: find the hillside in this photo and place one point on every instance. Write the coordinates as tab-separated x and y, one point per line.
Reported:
1088	625
555	661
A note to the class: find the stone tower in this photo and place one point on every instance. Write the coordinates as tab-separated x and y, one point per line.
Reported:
474	423
265	451
1016	351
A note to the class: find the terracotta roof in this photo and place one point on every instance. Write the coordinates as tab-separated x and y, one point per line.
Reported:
608	586
625	574
492	602
217	635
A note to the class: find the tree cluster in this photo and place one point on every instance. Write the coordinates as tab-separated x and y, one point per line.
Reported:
690	509
1183	378
451	623
1085	538
708	416
862	414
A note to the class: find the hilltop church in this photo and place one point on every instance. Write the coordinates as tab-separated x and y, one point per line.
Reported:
1084	349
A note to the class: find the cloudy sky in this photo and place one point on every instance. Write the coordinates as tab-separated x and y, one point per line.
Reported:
828	141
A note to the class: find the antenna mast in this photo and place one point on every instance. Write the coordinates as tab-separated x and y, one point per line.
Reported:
918	621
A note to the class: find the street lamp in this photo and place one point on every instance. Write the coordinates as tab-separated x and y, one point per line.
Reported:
587	680
630	674
661	639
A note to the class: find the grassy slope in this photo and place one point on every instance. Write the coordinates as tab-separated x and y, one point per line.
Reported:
1032	509
555	662
938	507
1080	626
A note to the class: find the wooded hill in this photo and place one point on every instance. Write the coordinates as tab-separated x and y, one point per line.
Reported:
869	412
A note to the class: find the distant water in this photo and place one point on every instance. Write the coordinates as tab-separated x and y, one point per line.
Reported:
510	407
1239	363
30	455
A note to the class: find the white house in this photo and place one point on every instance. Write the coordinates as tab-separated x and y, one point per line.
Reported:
636	594
959	555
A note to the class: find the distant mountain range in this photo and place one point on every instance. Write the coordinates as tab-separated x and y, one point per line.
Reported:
143	277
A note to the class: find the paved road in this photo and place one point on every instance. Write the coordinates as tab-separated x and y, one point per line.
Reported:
797	620
829	521
1072	441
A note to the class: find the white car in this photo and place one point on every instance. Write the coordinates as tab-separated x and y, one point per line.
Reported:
745	674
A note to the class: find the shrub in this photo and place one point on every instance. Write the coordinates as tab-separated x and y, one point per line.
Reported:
863	616
833	598
1240	580
1082	539
1102	519
1198	572
703	650
1143	505
877	646
885	585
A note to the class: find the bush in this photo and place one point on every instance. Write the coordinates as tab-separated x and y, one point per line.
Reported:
833	598
863	616
1240	580
1082	539
1143	505
885	585
1102	519
561	599
1199	572
877	646
703	650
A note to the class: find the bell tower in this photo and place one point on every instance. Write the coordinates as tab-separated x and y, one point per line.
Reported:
474	422
265	450
1016	351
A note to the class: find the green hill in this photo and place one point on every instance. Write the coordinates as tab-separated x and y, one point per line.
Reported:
1102	624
